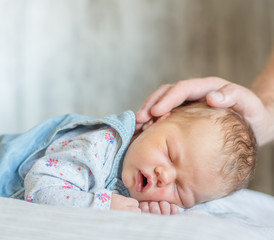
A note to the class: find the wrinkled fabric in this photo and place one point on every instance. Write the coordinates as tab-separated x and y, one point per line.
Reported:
17	151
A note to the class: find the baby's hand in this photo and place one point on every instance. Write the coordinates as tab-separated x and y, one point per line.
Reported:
119	202
162	207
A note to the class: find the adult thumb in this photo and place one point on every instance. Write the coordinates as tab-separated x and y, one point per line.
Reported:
237	97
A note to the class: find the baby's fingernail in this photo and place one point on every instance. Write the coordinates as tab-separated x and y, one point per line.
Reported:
217	96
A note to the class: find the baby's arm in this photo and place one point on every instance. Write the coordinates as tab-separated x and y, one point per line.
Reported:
54	181
162	207
73	171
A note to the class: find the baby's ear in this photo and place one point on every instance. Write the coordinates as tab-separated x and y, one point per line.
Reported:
164	116
148	124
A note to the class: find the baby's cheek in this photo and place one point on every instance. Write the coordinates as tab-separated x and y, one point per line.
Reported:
162	191
158	195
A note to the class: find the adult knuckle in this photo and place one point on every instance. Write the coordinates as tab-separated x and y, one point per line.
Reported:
214	78
232	87
166	85
180	83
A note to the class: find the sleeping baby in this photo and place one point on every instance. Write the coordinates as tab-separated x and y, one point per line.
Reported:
189	156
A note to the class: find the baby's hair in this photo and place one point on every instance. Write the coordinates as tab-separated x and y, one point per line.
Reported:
239	149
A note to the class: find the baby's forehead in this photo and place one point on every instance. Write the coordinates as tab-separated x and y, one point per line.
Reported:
199	110
200	129
196	116
221	119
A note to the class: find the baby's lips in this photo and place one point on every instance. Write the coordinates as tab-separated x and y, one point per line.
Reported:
139	182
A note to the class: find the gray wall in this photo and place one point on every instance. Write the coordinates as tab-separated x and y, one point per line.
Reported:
97	57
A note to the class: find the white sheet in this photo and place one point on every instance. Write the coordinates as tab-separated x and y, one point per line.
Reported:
244	215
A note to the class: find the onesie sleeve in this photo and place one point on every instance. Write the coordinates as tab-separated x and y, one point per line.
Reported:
73	171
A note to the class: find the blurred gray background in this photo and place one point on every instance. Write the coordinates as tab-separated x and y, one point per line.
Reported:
97	57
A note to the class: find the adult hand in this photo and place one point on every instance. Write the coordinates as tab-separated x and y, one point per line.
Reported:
119	202
246	103
162	207
217	92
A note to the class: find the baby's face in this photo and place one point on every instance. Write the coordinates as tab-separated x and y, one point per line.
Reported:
168	162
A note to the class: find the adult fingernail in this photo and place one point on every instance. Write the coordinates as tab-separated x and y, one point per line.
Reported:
217	96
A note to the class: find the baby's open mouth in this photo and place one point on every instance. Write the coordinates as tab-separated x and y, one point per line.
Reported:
142	182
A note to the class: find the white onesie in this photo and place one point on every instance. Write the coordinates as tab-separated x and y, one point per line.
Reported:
74	168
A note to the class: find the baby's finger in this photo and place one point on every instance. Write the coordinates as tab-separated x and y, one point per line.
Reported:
132	202
134	209
174	209
165	208
154	208
144	207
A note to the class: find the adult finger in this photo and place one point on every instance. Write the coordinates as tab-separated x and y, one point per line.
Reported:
239	98
143	115
192	89
246	103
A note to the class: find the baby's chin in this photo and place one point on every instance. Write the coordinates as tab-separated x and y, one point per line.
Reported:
133	194
142	197
137	196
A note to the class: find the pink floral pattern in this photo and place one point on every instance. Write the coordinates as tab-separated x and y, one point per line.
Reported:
65	143
109	137
104	197
29	198
52	162
67	185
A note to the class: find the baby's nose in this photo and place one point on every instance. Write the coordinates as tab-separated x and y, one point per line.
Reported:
164	176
